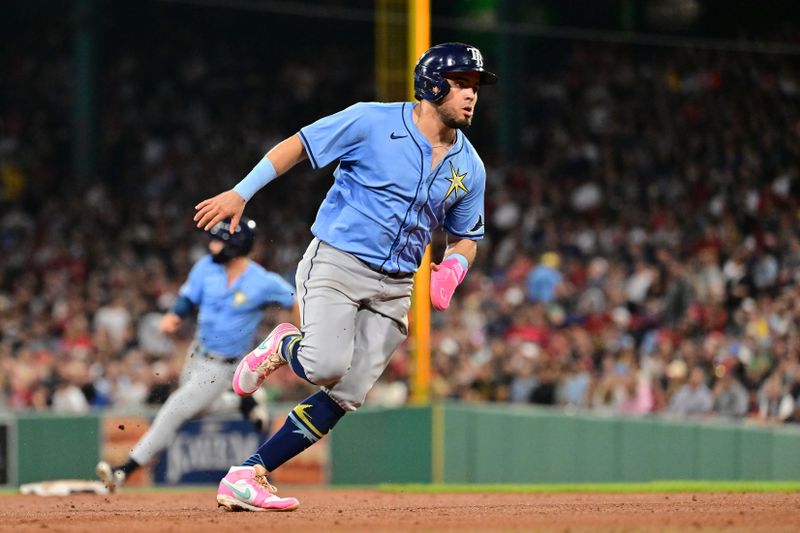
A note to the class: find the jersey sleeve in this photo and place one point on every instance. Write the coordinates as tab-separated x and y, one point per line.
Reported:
279	291
192	288
465	218
334	137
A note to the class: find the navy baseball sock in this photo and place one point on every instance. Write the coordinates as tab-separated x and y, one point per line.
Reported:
308	422
128	467
289	346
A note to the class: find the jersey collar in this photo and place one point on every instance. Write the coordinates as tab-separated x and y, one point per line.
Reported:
408	119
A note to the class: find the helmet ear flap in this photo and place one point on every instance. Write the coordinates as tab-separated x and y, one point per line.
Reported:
441	87
431	87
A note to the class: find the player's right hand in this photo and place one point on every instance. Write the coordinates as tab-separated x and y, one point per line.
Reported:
214	210
170	323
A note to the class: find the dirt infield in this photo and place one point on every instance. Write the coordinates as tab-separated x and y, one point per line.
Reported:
345	510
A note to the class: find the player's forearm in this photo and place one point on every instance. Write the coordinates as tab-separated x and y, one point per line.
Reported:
287	154
464	247
279	160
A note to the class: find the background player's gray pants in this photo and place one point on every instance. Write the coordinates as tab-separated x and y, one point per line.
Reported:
203	382
353	319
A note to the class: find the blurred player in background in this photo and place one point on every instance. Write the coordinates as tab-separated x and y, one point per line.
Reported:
231	292
404	169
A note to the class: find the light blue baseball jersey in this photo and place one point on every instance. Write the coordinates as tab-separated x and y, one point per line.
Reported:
229	316
386	199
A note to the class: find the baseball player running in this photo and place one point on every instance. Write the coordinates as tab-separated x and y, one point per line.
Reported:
403	170
231	292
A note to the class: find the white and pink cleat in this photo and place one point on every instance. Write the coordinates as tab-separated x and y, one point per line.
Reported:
256	366
245	488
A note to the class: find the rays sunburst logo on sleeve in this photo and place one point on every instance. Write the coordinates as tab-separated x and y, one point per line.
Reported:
456	182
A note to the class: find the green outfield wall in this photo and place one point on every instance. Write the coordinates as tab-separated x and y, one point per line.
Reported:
56	447
458	443
40	447
383	444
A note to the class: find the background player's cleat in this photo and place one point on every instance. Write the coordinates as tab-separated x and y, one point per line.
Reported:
256	366
112	479
255	409
245	488
260	413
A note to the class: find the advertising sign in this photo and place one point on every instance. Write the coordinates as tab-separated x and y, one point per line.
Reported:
204	450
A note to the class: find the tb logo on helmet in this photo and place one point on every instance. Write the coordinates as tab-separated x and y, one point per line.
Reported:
476	56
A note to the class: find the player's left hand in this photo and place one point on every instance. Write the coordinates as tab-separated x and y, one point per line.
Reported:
445	277
170	323
212	211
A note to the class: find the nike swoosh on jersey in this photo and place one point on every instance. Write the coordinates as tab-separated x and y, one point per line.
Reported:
393	135
243	494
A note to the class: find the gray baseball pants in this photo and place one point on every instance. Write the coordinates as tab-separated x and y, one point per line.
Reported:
352	320
205	387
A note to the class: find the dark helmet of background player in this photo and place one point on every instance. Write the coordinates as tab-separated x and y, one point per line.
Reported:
237	243
429	74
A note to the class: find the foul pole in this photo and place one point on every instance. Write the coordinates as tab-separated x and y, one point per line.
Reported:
419	37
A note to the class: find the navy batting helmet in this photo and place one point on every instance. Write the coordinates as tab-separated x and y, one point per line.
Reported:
237	243
429	80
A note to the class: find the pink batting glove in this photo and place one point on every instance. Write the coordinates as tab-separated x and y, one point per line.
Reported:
445	277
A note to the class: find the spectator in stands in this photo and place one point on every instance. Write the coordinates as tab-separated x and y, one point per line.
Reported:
68	397
694	398
775	404
545	278
730	396
636	395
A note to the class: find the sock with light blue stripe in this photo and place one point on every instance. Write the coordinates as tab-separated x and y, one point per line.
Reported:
308	422
289	348
253	460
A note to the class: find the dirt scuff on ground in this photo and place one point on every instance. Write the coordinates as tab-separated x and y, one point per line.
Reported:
344	510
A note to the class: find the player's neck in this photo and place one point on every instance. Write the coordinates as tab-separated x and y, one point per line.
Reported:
237	265
235	268
428	122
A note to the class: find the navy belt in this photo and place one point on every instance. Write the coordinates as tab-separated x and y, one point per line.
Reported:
393	275
397	275
202	351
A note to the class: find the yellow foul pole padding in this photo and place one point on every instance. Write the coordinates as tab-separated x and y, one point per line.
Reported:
419	36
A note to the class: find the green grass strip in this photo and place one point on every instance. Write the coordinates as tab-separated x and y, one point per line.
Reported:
626	488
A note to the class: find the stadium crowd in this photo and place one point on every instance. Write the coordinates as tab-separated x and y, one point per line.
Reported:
642	255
